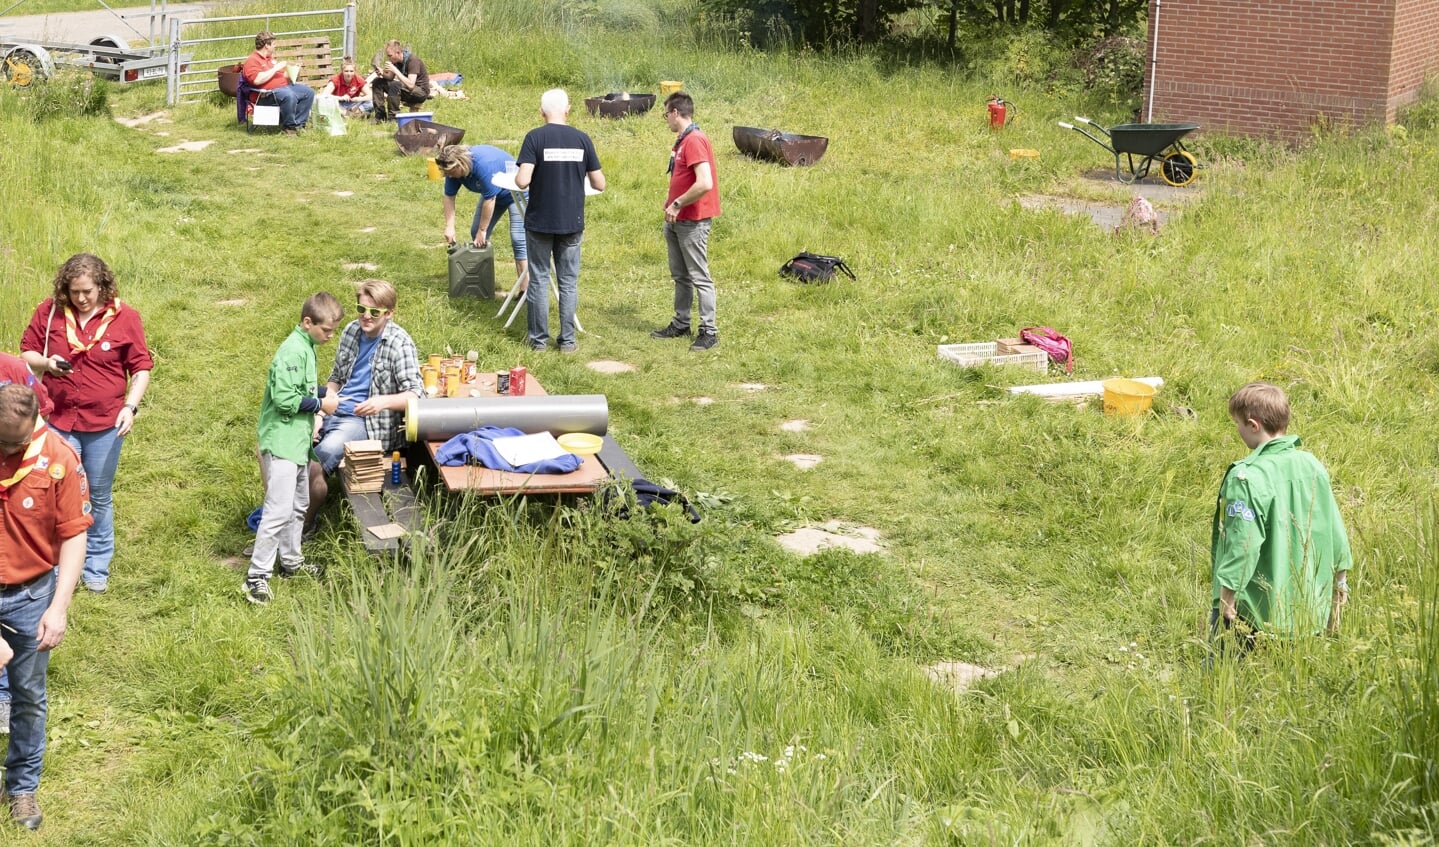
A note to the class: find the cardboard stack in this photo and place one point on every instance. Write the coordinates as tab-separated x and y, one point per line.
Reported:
1014	346
363	470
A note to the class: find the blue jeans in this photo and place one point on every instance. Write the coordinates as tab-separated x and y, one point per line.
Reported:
335	433
20	612
687	243
100	455
564	252
294	102
503	203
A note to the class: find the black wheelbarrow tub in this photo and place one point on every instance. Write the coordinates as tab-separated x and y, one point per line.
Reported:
1147	139
787	148
427	137
619	104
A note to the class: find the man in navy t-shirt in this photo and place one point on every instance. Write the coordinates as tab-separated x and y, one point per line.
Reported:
556	161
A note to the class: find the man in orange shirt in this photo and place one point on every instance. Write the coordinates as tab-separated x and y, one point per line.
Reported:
45	511
277	79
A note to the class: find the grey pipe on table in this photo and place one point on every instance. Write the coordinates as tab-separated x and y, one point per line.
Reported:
440	418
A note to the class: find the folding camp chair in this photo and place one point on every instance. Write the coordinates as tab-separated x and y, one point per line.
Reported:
250	108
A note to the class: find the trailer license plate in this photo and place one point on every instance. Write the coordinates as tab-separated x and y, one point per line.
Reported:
151	73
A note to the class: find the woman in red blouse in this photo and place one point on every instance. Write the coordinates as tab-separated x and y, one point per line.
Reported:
91	350
352	90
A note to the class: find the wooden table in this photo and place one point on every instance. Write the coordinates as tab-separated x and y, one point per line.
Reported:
482	480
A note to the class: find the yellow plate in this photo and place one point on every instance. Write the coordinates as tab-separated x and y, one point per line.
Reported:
581	443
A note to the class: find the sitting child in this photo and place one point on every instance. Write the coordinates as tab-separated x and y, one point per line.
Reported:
351	89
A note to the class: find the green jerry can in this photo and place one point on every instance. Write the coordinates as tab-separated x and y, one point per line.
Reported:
472	270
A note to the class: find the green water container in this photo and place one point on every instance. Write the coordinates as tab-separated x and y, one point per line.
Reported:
472	271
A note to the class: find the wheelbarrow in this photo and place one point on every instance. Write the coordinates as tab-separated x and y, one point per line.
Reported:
1148	142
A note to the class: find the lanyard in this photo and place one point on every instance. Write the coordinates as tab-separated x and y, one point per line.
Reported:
678	141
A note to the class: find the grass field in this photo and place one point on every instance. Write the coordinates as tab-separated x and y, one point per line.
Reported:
547	674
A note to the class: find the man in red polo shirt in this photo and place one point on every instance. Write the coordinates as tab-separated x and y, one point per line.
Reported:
45	511
692	202
279	80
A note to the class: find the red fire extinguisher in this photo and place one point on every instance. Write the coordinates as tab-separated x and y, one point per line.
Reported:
999	112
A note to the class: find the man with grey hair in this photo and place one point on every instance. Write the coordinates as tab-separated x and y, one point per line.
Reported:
556	161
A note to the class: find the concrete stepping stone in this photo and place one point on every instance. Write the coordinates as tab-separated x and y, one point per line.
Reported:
606	366
812	539
803	461
798	425
360	266
186	147
958	676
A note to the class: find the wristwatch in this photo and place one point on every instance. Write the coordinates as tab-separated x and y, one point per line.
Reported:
676	204
134	410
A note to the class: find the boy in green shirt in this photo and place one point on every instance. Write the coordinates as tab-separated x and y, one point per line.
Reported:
286	431
1279	553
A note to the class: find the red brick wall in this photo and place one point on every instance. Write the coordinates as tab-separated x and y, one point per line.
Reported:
1416	51
1275	67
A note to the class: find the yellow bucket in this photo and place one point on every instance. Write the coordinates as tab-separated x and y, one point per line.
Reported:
1127	397
670	86
432	169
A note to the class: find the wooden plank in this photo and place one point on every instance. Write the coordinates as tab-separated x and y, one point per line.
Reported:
393	504
482	480
314	55
617	461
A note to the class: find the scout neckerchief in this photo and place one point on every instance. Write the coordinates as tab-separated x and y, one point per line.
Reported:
72	326
27	464
678	141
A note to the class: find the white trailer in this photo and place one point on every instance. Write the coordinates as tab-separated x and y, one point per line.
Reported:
25	60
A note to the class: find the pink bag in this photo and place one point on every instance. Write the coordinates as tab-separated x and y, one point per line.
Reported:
1057	346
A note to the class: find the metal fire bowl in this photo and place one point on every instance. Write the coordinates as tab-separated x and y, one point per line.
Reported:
619	104
786	148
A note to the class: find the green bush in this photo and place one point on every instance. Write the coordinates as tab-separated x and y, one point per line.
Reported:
68	93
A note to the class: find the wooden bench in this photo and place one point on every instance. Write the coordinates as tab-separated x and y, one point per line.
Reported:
317	63
393	504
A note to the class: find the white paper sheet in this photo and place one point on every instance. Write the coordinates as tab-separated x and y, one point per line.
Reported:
524	449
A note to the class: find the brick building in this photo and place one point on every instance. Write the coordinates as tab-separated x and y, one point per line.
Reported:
1276	67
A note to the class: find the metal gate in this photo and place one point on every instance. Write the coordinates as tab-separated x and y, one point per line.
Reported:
199	48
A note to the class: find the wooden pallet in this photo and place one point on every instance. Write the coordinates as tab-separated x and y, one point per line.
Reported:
317	62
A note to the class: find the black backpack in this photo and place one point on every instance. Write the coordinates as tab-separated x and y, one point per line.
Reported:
811	267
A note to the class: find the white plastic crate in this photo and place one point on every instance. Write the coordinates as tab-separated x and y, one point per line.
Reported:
987	353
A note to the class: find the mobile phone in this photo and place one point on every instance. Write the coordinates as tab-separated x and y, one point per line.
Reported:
63	365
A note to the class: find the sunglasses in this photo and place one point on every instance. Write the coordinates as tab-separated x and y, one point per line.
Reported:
372	312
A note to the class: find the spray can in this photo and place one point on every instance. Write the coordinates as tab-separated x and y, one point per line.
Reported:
517	381
395	468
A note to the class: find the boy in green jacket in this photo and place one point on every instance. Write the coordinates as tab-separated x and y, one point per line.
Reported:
286	430
1279	553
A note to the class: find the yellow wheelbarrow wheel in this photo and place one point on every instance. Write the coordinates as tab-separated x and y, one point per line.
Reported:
22	69
1179	168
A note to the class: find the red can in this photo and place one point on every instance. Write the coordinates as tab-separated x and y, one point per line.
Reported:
517	382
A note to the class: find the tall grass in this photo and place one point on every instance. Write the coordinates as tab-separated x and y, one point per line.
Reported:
545	672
